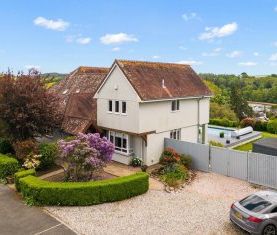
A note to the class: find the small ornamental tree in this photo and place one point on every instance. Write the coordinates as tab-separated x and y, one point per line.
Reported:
85	155
26	108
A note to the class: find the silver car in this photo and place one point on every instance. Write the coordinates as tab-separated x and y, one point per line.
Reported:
257	213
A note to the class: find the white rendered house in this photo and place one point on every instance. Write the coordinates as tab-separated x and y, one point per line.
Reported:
141	103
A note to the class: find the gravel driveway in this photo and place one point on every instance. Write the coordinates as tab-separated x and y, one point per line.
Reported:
200	208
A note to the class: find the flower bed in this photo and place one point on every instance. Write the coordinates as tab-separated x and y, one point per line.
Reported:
8	166
40	192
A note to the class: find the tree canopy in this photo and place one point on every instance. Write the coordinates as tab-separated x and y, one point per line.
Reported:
26	108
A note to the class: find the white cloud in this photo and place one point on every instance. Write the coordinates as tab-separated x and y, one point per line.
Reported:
156	57
273	57
256	53
30	66
234	54
218	32
190	16
189	62
118	38
116	49
214	52
59	24
247	64
183	48
83	41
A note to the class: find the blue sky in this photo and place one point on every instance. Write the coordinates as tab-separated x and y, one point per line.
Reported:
213	36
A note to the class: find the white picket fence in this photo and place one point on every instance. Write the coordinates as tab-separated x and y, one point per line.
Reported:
253	167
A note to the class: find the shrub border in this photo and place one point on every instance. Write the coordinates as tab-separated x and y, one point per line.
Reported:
22	174
41	192
8	166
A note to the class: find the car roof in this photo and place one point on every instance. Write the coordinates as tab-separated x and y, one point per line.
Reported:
268	195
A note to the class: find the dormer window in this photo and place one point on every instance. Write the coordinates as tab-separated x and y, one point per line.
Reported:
175	105
65	91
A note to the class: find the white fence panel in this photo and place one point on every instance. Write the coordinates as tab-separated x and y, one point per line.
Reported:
198	152
238	165
219	160
262	169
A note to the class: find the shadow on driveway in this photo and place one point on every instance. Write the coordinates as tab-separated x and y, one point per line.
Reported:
17	218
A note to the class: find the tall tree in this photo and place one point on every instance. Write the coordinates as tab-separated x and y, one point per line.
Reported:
239	103
26	108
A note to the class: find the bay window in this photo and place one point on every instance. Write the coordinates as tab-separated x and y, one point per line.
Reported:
121	142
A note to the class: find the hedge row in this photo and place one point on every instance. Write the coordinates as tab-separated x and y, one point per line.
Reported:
223	122
41	192
8	166
22	174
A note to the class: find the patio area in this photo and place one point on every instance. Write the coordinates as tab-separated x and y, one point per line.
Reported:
214	131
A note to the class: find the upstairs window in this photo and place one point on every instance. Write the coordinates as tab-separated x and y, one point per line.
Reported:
124	107
117	106
175	105
175	134
110	108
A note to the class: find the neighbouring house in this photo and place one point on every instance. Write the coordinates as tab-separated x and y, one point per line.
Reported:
261	106
76	100
141	103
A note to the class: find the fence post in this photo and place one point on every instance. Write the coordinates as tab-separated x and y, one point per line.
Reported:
247	171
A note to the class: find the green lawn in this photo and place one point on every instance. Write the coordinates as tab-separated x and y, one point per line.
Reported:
248	146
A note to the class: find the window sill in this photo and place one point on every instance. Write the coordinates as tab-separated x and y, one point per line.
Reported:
175	111
122	153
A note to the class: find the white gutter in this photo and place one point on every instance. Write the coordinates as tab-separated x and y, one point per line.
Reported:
176	98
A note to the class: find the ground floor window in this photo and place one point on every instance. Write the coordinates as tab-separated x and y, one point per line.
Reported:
121	142
175	134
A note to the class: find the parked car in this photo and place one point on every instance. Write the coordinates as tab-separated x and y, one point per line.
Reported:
257	213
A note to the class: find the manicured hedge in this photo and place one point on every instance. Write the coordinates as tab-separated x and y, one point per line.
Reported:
22	174
8	166
41	192
272	126
223	122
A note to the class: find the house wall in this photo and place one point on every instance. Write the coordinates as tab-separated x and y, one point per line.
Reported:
158	115
155	142
117	87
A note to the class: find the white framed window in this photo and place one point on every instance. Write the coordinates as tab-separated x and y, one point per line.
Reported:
116	108
175	134
123	107
121	142
175	105
110	105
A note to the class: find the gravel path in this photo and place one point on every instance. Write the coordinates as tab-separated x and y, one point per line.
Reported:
201	208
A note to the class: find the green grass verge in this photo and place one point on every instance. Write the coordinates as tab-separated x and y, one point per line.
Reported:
249	146
40	192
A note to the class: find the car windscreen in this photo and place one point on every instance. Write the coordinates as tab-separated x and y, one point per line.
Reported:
254	203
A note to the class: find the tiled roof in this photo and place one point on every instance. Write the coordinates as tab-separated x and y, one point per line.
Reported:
76	93
153	81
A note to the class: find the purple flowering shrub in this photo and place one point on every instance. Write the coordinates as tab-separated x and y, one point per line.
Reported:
84	156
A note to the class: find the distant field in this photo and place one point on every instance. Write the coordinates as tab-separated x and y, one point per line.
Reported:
248	146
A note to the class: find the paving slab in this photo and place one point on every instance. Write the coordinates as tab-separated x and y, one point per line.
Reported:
18	218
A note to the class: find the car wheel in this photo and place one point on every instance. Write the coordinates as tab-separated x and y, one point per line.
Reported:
270	230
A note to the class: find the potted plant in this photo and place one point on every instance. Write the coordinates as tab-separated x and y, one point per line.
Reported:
221	134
